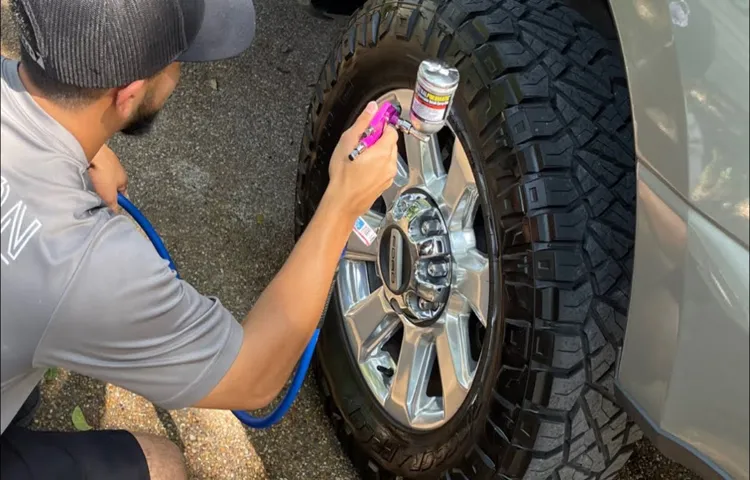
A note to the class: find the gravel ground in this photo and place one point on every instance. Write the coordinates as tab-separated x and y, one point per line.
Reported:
217	179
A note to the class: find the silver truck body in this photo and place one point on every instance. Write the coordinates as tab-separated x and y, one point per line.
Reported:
684	368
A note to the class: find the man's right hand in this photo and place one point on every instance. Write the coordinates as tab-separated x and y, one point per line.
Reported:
357	184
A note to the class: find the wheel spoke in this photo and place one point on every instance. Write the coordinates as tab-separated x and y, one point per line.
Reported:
425	164
460	195
356	248
352	282
408	393
473	281
369	321
454	355
402	177
382	334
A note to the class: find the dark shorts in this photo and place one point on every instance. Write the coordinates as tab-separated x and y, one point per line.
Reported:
98	454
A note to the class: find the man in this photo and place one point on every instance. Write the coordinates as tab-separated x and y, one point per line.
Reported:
82	289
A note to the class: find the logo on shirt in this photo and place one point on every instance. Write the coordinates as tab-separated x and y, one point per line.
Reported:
14	219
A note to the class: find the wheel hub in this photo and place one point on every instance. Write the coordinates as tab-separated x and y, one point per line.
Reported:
414	259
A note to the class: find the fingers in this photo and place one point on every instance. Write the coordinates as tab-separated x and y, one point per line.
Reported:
383	147
389	137
364	118
122	184
110	199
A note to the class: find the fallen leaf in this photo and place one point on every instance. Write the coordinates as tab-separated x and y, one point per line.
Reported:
259	218
213	84
79	421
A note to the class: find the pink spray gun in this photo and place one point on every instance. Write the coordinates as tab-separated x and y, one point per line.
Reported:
388	113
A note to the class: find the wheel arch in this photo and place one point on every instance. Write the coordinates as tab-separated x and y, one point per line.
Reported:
690	122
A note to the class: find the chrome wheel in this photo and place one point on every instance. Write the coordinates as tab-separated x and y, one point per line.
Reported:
415	301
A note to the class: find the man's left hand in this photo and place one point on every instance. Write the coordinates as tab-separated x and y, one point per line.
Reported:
108	176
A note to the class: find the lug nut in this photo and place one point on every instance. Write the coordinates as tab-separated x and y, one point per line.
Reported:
425	305
430	292
438	269
433	246
431	227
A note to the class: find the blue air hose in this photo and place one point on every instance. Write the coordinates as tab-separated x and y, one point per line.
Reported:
299	376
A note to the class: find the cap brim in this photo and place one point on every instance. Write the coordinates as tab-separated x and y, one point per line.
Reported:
227	30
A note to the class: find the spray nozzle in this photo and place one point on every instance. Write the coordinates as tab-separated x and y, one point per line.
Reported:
406	127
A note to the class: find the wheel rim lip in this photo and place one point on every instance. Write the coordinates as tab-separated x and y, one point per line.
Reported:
432	415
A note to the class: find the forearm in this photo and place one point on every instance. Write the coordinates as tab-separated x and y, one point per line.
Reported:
281	323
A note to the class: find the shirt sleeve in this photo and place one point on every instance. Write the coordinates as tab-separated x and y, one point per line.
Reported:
125	318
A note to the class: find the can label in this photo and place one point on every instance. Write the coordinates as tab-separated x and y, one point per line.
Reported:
428	106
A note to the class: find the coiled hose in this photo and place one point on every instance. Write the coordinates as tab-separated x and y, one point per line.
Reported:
304	363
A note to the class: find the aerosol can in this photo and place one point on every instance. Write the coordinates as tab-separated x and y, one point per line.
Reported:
434	90
433	96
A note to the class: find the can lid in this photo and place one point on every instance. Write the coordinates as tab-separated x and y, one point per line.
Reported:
438	73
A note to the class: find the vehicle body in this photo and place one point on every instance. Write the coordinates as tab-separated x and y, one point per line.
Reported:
687	65
682	369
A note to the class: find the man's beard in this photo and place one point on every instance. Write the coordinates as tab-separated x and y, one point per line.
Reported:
141	124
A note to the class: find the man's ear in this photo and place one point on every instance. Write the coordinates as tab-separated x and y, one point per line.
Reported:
128	98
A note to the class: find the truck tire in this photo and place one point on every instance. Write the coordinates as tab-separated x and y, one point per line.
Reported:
544	116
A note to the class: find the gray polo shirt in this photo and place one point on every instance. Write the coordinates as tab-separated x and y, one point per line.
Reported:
82	289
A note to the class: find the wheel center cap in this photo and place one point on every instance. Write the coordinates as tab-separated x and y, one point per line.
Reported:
414	258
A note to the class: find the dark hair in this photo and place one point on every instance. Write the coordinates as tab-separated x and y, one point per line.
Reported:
61	93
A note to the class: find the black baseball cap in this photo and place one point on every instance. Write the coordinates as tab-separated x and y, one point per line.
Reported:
110	43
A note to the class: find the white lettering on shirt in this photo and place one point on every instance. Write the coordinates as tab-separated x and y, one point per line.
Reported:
21	231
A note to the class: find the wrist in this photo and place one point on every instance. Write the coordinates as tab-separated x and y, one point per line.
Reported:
335	206
330	225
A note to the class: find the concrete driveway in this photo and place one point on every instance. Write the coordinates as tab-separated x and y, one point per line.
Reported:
216	178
